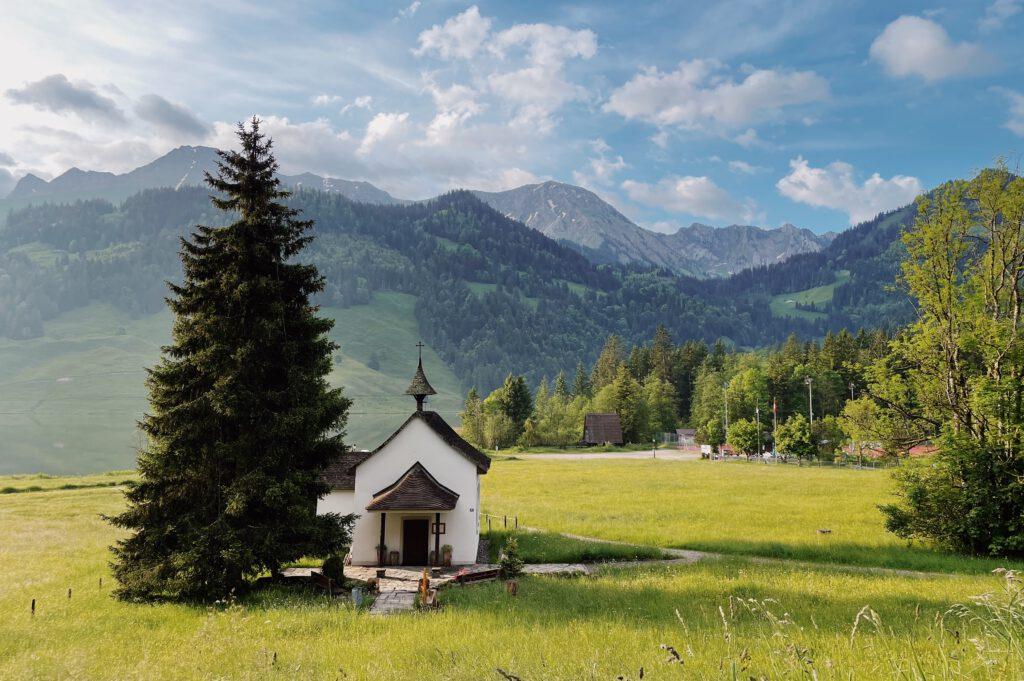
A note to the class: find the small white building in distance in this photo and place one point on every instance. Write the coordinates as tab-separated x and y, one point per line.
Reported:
414	494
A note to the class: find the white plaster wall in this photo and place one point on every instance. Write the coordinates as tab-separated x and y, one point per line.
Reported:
336	501
417	442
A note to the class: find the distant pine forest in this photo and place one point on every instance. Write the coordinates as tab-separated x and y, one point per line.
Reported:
493	297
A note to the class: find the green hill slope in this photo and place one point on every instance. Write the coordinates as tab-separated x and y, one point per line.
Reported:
69	399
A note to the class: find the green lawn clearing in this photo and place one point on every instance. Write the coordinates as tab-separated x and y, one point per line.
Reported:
784	304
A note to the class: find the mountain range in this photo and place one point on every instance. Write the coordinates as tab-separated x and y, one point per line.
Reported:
566	213
581	219
82	310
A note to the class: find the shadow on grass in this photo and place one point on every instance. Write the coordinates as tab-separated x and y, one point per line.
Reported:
551	547
653	596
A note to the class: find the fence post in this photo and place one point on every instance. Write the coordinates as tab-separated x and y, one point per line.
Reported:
517	522
505	520
488	523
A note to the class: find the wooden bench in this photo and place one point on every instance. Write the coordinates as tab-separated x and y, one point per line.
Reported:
322	582
478	576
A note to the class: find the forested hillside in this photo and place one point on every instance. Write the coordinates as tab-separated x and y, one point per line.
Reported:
491	292
858	271
493	296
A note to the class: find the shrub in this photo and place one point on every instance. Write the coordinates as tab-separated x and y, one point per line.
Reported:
334	568
511	564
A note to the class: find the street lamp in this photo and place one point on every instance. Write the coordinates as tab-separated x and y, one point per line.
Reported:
853	442
725	400
757	415
810	403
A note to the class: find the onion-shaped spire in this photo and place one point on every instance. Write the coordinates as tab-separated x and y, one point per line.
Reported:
420	386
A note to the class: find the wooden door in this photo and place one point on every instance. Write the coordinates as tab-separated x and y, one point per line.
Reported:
415	541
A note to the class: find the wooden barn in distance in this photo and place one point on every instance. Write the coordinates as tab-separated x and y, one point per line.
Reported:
602	429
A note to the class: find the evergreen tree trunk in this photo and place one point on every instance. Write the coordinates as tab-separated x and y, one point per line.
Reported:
242	421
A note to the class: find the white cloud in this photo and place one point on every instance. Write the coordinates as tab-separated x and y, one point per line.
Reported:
744	168
998	13
410	10
601	167
548	46
691	195
383	127
697	96
835	186
454	106
660	139
459	38
535	86
913	46
361	102
324	99
748	138
505	179
1015	122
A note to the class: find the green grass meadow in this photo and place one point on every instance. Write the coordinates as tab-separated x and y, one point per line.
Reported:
69	401
733	618
550	547
744	509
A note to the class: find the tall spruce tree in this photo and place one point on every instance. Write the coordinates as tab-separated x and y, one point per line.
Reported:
242	421
581	383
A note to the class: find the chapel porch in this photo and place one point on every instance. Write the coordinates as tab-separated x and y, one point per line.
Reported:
412	519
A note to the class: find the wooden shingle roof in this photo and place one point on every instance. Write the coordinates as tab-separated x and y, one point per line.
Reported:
341	472
446	433
601	428
415	490
420	385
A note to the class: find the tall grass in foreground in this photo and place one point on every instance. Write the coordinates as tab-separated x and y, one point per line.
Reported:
729	618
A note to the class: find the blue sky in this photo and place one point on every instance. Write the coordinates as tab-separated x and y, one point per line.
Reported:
814	113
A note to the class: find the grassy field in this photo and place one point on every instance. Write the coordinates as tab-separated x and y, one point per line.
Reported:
730	618
43	482
736	509
549	547
596	449
69	400
784	304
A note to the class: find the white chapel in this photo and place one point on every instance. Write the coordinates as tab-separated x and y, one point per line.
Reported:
416	493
